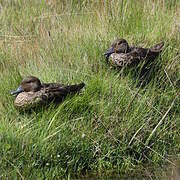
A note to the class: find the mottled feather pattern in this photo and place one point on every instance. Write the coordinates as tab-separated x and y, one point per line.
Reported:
120	54
36	93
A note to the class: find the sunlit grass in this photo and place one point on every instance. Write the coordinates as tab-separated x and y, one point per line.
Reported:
114	125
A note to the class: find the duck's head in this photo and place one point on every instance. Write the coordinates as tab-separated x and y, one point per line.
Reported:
118	46
28	84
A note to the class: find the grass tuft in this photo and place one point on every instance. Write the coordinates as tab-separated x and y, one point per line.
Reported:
116	125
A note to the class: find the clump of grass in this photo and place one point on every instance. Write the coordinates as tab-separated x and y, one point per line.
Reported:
113	125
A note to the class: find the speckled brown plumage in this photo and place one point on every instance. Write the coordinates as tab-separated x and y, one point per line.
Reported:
121	54
32	92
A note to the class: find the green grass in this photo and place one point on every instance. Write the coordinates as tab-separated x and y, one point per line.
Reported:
114	126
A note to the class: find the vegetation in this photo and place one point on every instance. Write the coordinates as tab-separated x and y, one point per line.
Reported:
115	125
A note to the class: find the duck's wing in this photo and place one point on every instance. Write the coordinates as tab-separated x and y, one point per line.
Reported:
51	85
57	92
149	54
63	89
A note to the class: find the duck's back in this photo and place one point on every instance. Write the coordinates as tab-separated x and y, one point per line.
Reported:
57	92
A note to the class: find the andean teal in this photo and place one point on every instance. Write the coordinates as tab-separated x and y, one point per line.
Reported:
32	92
121	54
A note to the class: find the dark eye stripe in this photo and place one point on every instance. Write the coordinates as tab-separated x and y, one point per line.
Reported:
29	81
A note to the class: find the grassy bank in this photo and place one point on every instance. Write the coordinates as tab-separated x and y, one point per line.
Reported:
114	125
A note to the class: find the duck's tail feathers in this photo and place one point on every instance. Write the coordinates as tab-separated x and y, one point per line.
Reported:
158	47
75	88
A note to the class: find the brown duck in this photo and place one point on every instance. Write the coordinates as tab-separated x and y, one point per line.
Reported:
121	54
32	92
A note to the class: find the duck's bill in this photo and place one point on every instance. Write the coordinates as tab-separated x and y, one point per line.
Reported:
17	91
109	52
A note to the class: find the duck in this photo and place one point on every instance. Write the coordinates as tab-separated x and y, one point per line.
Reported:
32	92
120	54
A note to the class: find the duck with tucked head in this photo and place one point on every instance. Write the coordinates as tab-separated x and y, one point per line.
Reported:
32	92
121	54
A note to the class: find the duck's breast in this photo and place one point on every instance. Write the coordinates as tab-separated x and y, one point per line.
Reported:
26	99
120	60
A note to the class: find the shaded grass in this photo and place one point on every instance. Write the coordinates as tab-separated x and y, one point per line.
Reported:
111	125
